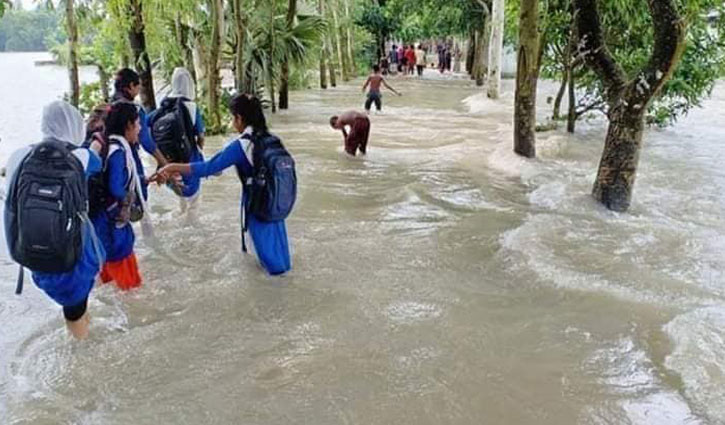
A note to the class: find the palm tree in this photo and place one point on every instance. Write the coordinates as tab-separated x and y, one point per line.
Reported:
342	59
271	42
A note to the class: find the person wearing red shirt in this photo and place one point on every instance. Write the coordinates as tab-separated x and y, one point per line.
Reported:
410	55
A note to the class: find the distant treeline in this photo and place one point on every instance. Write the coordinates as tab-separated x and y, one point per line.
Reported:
30	30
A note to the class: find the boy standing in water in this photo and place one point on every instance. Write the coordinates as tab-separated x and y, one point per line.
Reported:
359	130
375	80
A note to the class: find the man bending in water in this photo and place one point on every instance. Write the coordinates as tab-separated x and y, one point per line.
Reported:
375	80
359	130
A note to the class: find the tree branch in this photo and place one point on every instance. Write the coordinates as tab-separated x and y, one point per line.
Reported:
593	49
669	38
598	105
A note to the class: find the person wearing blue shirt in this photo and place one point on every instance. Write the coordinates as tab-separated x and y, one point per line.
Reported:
182	86
62	122
127	85
269	239
123	179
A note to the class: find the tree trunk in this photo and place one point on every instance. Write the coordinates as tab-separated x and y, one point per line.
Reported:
137	40
527	75
269	67
483	52
342	59
182	39
349	39
240	36
628	100
323	49
486	48
470	53
475	51
323	68
270	85
618	166
331	63
479	68
570	64
381	47
571	116
457	57
556	115
249	83
72	28
201	57
103	82
496	49
284	86
284	78
126	59
216	8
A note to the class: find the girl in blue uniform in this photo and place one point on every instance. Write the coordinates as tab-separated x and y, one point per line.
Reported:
127	85
63	122
268	238
123	179
182	86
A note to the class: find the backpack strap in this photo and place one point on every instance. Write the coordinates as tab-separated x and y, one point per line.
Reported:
246	187
94	236
185	116
21	279
113	146
245	224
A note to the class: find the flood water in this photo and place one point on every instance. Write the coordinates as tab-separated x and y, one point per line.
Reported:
439	280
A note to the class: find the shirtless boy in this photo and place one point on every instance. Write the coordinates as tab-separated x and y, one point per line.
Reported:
359	130
375	81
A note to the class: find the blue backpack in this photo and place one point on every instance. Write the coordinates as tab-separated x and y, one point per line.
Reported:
271	192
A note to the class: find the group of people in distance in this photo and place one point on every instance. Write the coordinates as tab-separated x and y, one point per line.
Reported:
72	197
409	59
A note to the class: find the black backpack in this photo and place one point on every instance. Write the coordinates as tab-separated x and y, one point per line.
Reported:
97	187
172	130
45	208
270	193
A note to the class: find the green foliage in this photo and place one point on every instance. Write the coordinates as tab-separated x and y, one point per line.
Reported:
422	19
628	31
90	97
4	5
225	98
378	20
269	43
23	31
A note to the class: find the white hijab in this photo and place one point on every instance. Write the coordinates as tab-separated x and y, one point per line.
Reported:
182	85
61	121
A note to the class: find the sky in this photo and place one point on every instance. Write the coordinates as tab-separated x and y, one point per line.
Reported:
27	4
